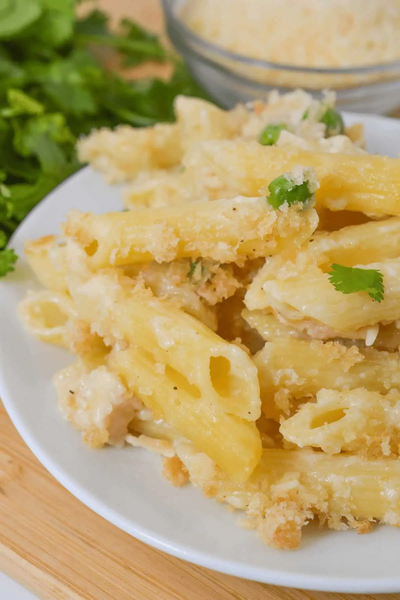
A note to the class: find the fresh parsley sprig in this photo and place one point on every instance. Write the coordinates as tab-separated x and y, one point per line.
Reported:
54	87
352	279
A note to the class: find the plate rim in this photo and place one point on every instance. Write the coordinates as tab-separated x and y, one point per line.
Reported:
315	582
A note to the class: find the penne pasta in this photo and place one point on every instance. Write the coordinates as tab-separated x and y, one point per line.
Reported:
46	314
310	299
121	154
233	443
354	245
357	420
223	372
47	257
303	367
268	326
244	228
199	120
364	183
289	487
153	189
218	376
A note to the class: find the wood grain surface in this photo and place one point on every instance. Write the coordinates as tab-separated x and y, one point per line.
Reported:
58	548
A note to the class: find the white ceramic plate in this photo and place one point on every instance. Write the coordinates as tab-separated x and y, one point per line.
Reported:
125	486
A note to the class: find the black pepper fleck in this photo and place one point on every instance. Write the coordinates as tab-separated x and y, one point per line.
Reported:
175	388
71	392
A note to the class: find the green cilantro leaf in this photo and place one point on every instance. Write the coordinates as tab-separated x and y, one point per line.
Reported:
352	279
56	24
95	23
28	132
8	258
24	196
65	83
11	74
16	16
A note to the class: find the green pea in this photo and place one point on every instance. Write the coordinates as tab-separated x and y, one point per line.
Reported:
270	134
333	121
282	190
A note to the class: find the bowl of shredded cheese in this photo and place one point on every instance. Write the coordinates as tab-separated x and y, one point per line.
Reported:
240	50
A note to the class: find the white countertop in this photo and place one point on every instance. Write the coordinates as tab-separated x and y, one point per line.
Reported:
10	590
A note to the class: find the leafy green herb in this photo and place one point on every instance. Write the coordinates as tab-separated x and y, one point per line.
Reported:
351	279
54	88
270	134
285	191
333	121
17	16
193	266
7	256
21	104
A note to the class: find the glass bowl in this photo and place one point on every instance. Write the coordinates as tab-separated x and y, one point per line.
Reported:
233	78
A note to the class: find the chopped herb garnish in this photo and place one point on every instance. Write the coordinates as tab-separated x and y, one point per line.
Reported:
285	191
352	279
333	121
193	265
270	134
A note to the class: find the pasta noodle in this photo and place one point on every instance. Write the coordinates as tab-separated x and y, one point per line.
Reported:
303	367
242	319
355	420
244	228
310	296
364	183
233	443
289	487
220	376
47	257
46	314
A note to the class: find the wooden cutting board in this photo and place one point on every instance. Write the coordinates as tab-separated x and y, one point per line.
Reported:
58	548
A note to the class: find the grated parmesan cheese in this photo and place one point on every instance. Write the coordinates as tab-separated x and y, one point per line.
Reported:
311	33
